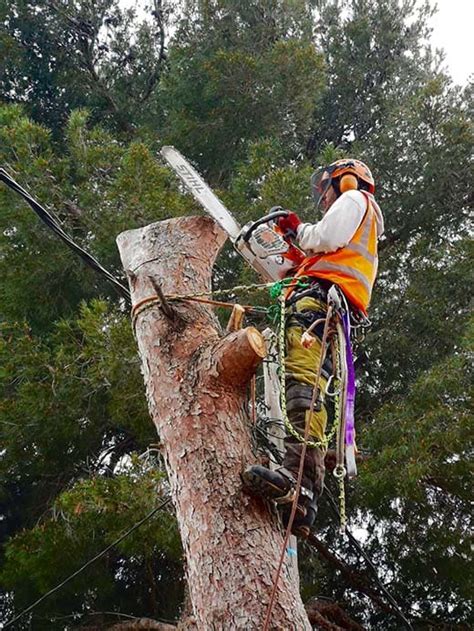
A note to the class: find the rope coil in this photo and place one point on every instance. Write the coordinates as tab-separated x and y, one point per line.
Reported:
339	381
324	442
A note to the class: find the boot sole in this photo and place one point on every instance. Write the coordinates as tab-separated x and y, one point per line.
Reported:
260	487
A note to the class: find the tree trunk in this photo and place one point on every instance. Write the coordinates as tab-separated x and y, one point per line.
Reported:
196	381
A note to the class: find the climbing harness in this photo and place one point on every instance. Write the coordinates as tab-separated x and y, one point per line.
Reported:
337	343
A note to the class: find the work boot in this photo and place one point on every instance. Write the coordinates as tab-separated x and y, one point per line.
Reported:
313	466
302	524
278	486
312	478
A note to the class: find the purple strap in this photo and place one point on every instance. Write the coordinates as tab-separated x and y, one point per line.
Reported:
351	385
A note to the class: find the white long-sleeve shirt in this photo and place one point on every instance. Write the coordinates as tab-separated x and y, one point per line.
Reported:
339	224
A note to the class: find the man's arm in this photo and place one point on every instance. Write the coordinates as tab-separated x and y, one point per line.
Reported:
336	228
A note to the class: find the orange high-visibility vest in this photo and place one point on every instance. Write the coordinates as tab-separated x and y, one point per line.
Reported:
353	267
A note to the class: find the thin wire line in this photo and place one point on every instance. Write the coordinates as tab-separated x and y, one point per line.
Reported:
90	562
54	225
358	547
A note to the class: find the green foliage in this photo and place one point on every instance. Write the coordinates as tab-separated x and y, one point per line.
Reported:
69	396
417	481
75	414
58	56
255	94
375	57
84	521
97	186
230	98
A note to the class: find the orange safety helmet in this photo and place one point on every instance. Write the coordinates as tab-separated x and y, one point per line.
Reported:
347	174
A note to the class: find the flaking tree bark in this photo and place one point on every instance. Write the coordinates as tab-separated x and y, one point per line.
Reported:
196	381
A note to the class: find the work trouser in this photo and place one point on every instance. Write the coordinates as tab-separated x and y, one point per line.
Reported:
301	370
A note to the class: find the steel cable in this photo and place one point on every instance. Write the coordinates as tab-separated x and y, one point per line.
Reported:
54	225
90	562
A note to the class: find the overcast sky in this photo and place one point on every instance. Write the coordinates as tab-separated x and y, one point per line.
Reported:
453	30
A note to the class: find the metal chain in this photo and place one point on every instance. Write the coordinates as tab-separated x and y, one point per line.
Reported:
339	471
275	287
217	292
342	502
324	442
223	292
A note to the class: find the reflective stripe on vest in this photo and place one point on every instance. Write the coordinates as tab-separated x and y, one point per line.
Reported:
356	247
349	271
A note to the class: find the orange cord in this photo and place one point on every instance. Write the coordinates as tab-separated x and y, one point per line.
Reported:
155	299
300	471
253	397
216	303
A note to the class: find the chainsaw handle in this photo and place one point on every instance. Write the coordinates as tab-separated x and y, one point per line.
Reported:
275	213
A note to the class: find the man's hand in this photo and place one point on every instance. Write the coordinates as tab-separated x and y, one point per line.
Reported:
289	224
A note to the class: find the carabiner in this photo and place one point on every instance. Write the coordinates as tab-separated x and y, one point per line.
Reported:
339	471
328	392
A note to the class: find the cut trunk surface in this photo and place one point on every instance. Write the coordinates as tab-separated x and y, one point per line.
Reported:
196	379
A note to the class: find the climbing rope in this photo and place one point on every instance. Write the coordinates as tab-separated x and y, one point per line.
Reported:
324	442
253	400
338	427
305	442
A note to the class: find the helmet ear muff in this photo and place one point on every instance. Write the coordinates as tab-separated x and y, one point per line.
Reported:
348	182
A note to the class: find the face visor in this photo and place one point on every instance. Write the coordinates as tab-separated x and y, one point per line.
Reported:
322	178
320	183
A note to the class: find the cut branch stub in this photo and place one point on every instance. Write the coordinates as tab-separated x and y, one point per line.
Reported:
238	355
196	388
236	319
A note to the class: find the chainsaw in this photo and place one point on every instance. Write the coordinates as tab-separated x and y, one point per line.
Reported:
261	243
270	253
264	248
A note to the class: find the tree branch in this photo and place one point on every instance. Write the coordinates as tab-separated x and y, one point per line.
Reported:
330	614
355	578
86	36
142	624
155	75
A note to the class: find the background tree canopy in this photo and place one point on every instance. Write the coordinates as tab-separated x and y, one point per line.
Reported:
256	94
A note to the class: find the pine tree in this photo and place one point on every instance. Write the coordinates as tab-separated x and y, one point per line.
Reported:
256	96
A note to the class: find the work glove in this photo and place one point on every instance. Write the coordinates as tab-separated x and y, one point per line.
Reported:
289	224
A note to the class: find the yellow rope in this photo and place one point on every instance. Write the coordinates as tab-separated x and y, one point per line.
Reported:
281	352
340	471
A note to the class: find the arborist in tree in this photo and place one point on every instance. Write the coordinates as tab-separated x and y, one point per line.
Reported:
340	249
